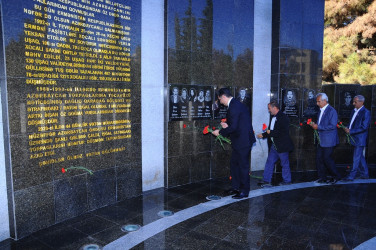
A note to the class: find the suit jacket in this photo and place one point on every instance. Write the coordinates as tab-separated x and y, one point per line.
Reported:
280	134
239	128
359	128
328	127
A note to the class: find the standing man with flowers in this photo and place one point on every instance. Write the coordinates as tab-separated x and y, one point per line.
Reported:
238	127
358	130
328	139
280	144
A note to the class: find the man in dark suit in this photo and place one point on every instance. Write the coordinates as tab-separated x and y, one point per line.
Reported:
280	144
328	138
358	130
239	127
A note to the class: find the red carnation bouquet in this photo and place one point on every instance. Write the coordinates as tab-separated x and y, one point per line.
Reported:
219	138
316	136
349	138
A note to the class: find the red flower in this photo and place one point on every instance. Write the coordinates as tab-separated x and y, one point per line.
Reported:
338	126
230	177
184	125
264	127
224	120
340	123
301	124
309	121
63	170
206	131
213	128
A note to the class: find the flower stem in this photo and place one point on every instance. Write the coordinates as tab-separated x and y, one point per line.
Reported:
82	168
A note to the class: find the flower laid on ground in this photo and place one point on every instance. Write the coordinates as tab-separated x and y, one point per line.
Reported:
349	138
64	170
316	136
184	125
219	138
224	120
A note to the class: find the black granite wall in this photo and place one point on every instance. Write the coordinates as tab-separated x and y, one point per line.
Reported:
337	94
297	47
71	96
210	45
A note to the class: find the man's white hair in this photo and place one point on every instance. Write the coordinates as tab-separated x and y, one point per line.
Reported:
323	96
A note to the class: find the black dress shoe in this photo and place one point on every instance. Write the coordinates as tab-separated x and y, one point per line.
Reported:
240	196
233	192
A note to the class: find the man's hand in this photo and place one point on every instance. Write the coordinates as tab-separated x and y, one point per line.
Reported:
215	132
314	125
259	136
268	131
347	130
224	125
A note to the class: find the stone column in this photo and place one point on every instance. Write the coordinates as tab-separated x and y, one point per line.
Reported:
152	94
261	78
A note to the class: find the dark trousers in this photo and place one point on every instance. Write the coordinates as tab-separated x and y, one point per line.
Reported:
359	164
240	169
273	157
325	163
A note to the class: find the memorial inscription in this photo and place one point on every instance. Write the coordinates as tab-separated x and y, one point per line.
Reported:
85	41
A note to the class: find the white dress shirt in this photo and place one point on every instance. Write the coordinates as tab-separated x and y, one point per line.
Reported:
272	123
354	115
322	112
228	104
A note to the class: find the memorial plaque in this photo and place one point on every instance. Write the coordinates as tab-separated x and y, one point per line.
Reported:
290	102
219	110
345	103
69	68
310	108
244	96
190	102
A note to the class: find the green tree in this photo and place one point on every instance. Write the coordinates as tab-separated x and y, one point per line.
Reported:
350	27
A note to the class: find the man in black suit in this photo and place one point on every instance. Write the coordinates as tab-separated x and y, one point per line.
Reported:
280	144
239	127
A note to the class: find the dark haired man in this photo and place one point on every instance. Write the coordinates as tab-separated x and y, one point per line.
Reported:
280	144
239	128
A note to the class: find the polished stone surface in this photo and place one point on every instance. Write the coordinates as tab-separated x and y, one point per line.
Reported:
303	215
209	44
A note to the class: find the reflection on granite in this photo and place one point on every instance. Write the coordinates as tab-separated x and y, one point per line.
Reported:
202	68
179	66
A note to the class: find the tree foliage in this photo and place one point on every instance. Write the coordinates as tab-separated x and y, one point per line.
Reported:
350	41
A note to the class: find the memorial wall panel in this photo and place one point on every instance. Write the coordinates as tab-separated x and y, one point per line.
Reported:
210	45
296	69
73	88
